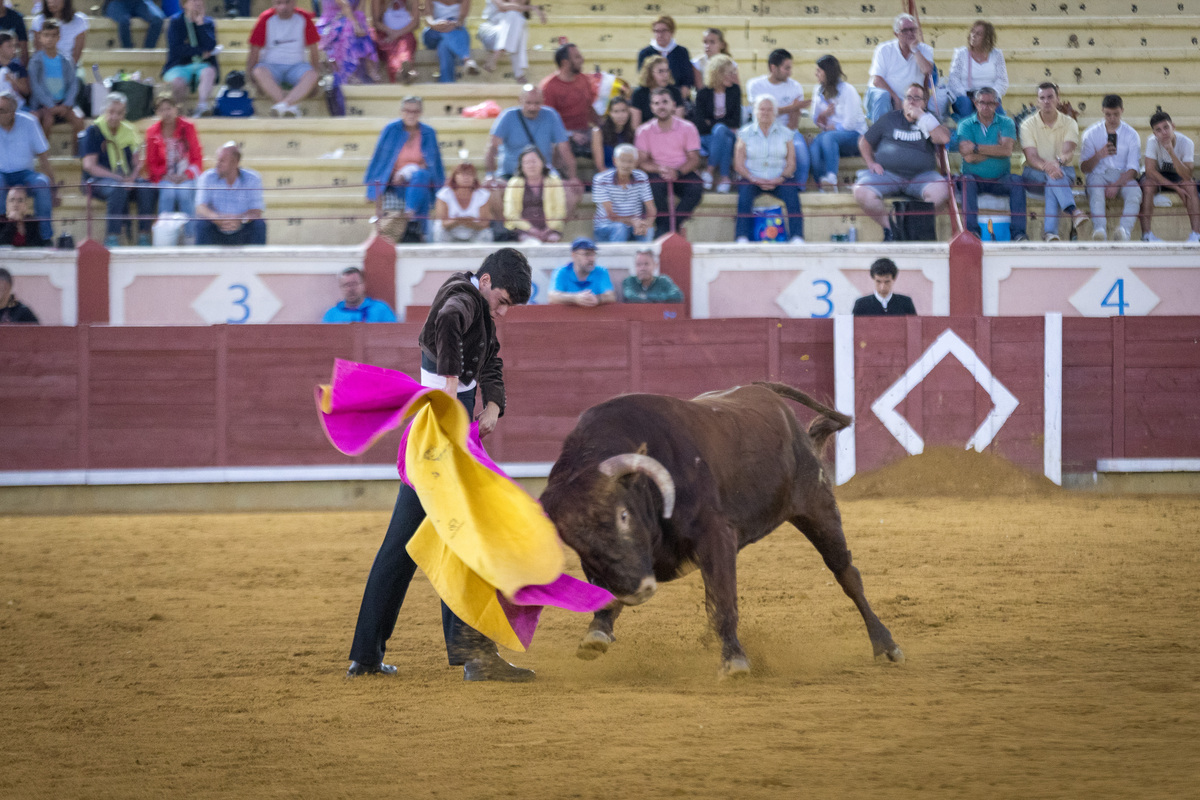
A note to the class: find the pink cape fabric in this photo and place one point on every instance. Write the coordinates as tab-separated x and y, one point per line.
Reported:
364	402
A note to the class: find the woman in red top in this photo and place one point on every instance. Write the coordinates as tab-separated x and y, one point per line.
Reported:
173	158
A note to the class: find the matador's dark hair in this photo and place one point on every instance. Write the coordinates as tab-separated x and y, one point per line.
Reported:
509	270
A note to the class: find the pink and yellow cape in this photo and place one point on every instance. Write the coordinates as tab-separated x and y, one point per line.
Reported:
487	547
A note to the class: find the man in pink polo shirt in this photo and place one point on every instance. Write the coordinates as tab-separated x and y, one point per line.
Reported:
669	151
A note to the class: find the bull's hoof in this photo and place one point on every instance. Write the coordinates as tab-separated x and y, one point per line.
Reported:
893	654
594	644
736	667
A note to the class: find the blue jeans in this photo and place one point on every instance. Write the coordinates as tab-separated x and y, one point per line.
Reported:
451	48
37	185
607	231
786	192
118	196
828	147
718	146
122	11
877	103
1010	186
253	232
1058	193
179	197
802	165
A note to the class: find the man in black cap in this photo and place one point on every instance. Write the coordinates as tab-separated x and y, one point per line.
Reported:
581	282
459	355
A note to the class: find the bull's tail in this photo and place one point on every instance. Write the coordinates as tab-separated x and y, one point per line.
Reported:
821	428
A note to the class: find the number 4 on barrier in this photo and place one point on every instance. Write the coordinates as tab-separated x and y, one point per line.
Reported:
1118	289
1114	290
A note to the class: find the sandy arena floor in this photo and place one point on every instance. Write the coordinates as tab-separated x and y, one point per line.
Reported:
1049	644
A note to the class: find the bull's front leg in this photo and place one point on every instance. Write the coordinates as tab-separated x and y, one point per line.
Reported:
600	633
717	557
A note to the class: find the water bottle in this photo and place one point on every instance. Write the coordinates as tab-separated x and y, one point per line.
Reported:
852	234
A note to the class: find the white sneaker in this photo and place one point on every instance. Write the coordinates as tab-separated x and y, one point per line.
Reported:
471	66
1150	237
829	182
1099	235
797	240
706	179
1162	200
1123	234
743	240
278	109
723	187
293	111
1194	238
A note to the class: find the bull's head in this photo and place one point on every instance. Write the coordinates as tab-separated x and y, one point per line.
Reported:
615	526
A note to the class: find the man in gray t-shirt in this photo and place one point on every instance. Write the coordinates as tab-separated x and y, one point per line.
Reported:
900	153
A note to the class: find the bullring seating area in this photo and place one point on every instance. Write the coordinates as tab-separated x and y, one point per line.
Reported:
1147	52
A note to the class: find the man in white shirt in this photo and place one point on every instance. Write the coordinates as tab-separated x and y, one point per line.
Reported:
1170	157
277	56
789	99
1111	156
896	65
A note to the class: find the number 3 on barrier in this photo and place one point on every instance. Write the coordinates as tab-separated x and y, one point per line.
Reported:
241	302
828	287
1118	288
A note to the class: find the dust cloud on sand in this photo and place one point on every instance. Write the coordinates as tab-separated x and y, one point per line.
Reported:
1049	636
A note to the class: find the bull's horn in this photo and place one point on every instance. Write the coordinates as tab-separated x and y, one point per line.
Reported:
625	463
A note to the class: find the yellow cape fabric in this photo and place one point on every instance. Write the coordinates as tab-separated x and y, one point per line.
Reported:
482	532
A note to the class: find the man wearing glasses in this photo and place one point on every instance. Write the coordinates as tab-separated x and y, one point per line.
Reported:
901	159
897	64
985	141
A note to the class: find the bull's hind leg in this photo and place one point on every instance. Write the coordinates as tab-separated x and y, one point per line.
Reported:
823	527
599	634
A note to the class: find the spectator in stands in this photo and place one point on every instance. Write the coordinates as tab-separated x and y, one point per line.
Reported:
13	24
765	158
624	203
669	151
13	75
1049	140
975	66
1170	159
111	153
884	302
571	93
407	166
837	113
229	202
534	200
985	141
12	310
655	74
663	44
717	116
714	45
788	95
1110	155
896	65
504	30
192	56
355	306
276	59
53	85
581	282
21	142
346	41
122	11
72	27
645	285
901	158
395	22
615	128
174	158
237	8
17	230
447	34
461	211
515	129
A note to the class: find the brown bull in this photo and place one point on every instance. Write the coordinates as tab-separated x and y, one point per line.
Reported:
649	487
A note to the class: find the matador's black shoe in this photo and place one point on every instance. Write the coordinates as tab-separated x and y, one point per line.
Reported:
491	667
357	669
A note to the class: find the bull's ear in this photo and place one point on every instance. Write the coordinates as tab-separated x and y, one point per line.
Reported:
642	449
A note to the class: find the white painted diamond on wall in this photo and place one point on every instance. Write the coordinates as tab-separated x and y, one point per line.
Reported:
236	298
1004	403
818	292
1114	291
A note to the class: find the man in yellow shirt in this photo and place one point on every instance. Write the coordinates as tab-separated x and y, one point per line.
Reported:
1049	139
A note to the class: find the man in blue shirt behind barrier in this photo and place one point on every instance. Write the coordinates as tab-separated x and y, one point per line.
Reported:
355	305
581	282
